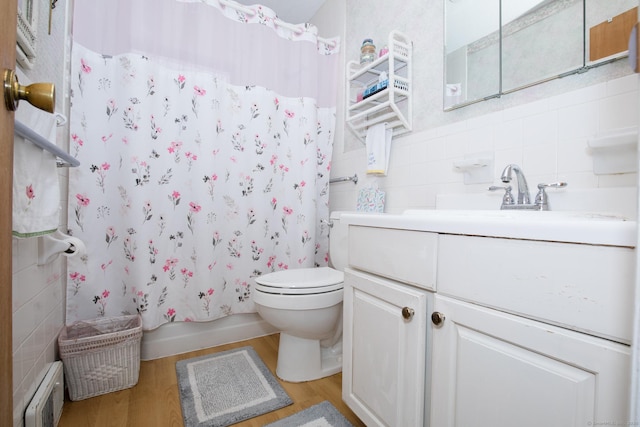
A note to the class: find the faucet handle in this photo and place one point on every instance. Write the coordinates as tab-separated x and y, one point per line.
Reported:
541	197
507	199
559	184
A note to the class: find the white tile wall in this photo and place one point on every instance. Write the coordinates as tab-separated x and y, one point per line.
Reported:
547	138
38	307
38	291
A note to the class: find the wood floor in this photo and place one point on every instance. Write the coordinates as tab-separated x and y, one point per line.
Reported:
154	401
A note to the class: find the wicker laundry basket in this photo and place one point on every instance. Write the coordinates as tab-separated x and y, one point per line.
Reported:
101	355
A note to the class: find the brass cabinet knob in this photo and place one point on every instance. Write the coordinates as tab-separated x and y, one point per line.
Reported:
437	318
40	95
407	313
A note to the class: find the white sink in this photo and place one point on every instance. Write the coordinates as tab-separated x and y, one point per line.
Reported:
554	226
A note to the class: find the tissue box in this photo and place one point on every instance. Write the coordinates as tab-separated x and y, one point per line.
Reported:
370	200
372	90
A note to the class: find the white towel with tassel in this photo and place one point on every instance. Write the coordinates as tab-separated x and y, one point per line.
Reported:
36	190
378	142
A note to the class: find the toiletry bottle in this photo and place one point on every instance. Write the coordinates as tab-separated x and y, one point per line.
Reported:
367	51
383	51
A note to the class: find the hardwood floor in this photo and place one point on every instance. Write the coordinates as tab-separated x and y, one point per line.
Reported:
154	401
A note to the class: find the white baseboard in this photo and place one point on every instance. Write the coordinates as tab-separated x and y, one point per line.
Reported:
182	337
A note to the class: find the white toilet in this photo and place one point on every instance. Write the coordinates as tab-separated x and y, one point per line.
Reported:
306	305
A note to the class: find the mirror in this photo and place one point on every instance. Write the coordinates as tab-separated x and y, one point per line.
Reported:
494	47
540	40
472	51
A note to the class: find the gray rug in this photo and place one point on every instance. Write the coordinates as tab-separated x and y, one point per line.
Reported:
323	414
224	388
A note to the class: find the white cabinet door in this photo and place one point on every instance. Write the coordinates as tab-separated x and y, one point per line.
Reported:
384	358
496	369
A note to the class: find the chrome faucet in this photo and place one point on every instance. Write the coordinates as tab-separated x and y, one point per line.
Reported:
524	199
523	189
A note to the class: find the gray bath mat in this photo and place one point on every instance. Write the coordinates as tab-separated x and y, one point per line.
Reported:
323	414
225	388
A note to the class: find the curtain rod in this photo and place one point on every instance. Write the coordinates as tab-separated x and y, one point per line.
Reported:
277	21
66	159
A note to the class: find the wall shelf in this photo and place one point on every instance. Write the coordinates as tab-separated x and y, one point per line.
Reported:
615	151
392	104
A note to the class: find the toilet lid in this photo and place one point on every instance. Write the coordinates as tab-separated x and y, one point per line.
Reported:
301	281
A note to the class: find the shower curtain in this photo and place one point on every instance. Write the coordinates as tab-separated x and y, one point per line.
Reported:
204	131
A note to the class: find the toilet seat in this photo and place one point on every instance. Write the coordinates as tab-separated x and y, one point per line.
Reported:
302	281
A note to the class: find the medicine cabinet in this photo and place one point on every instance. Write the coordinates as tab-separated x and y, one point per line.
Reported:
495	47
380	91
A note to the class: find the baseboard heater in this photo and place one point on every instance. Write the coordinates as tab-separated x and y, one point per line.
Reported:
45	408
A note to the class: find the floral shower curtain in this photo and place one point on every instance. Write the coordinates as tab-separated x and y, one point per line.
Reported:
204	132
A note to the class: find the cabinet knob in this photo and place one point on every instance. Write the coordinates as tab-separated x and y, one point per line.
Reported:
407	313
437	318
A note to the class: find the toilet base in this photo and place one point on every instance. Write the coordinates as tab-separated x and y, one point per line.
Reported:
301	359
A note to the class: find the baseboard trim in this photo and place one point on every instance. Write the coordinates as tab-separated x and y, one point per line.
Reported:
182	337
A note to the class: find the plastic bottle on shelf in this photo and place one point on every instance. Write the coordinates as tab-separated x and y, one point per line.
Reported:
367	51
383	51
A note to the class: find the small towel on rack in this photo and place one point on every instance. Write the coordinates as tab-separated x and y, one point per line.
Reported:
378	142
36	191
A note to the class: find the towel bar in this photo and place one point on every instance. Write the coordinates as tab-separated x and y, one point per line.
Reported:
65	158
353	178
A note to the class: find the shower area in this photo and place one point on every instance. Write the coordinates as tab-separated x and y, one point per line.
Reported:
204	131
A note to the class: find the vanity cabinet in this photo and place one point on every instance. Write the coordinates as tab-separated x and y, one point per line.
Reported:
388	298
391	105
534	333
385	358
492	368
523	329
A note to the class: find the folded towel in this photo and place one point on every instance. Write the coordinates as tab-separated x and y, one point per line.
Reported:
378	142
36	191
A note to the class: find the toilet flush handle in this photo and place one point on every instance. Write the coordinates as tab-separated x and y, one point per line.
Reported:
329	223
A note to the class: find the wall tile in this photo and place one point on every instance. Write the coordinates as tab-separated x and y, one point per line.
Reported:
456	145
624	84
579	179
578	121
547	138
526	110
618	180
580	96
436	149
618	111
540	160
509	135
540	129
479	139
573	156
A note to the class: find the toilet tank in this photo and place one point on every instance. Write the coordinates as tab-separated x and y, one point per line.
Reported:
338	242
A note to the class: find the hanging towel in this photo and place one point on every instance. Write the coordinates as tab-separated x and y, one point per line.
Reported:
378	142
36	191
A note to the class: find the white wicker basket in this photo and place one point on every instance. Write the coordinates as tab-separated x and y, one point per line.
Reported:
101	355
